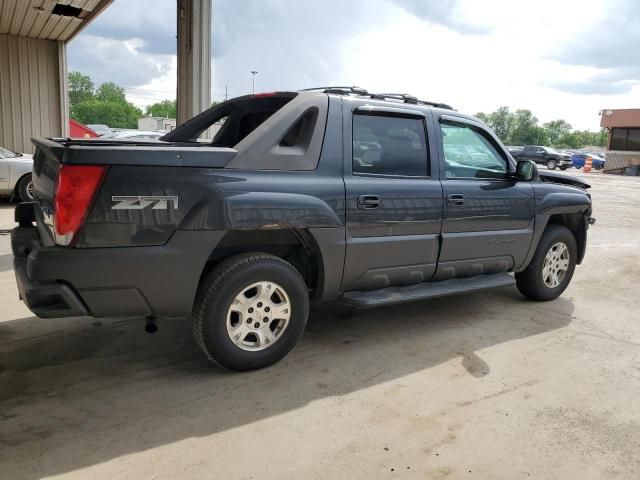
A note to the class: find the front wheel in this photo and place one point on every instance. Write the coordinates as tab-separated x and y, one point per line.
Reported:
250	311
552	266
551	164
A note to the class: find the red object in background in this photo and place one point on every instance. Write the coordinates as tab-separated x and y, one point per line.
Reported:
78	130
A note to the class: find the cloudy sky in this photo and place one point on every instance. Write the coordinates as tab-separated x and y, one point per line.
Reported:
559	58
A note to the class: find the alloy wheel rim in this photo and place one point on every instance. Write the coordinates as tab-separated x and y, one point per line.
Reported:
30	190
258	316
556	265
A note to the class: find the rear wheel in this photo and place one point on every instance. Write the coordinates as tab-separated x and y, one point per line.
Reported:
551	164
599	166
250	311
24	189
552	266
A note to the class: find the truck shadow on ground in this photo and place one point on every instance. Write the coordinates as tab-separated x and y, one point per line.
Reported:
79	392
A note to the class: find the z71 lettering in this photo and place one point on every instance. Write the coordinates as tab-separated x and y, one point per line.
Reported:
139	202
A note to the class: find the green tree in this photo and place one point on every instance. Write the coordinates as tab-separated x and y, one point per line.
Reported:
110	92
525	129
165	108
556	129
106	104
482	116
521	128
114	114
80	88
502	122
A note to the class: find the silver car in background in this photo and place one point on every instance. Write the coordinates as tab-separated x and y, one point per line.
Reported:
15	175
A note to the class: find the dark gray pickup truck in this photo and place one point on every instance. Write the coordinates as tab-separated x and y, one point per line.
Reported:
330	193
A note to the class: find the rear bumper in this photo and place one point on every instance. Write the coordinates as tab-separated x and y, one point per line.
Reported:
47	299
58	281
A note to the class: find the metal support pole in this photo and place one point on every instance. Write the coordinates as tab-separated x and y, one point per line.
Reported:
253	81
194	58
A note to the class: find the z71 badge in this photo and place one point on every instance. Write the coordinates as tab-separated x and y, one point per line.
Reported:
139	202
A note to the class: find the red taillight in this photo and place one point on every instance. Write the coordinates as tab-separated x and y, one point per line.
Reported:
75	189
265	94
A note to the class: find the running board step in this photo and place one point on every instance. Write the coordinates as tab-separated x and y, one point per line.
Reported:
422	291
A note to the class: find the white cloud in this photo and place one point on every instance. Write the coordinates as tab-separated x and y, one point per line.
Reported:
474	55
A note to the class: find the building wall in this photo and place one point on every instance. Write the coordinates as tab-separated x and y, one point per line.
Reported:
31	97
156	123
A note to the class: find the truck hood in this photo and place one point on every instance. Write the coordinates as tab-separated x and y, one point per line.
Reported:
553	177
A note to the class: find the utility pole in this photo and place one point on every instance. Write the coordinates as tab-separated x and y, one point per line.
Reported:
226	93
253	81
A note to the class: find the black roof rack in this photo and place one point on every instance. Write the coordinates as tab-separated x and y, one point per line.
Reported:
403	97
407	98
338	90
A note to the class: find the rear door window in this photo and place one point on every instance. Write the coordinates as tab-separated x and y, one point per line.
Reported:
389	145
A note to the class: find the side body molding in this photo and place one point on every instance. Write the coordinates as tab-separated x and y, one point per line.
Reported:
274	210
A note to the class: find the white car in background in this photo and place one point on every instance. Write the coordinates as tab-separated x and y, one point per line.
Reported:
136	134
15	175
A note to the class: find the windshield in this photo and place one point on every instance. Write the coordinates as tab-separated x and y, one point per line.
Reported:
4	153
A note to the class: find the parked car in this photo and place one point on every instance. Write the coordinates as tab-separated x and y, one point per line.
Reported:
101	129
15	175
136	134
544	156
578	160
514	150
242	233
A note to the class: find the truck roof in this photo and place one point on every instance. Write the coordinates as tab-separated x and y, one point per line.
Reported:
392	99
247	112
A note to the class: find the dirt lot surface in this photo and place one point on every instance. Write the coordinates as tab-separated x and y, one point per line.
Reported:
486	385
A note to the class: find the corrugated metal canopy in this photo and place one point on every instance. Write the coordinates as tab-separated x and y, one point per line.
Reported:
34	18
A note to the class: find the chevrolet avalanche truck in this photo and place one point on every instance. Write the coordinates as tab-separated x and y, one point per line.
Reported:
299	197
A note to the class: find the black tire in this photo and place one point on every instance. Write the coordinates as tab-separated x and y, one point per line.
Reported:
599	167
24	189
552	164
530	282
563	167
219	289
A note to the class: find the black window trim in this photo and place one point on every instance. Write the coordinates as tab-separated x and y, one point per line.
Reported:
392	112
478	126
